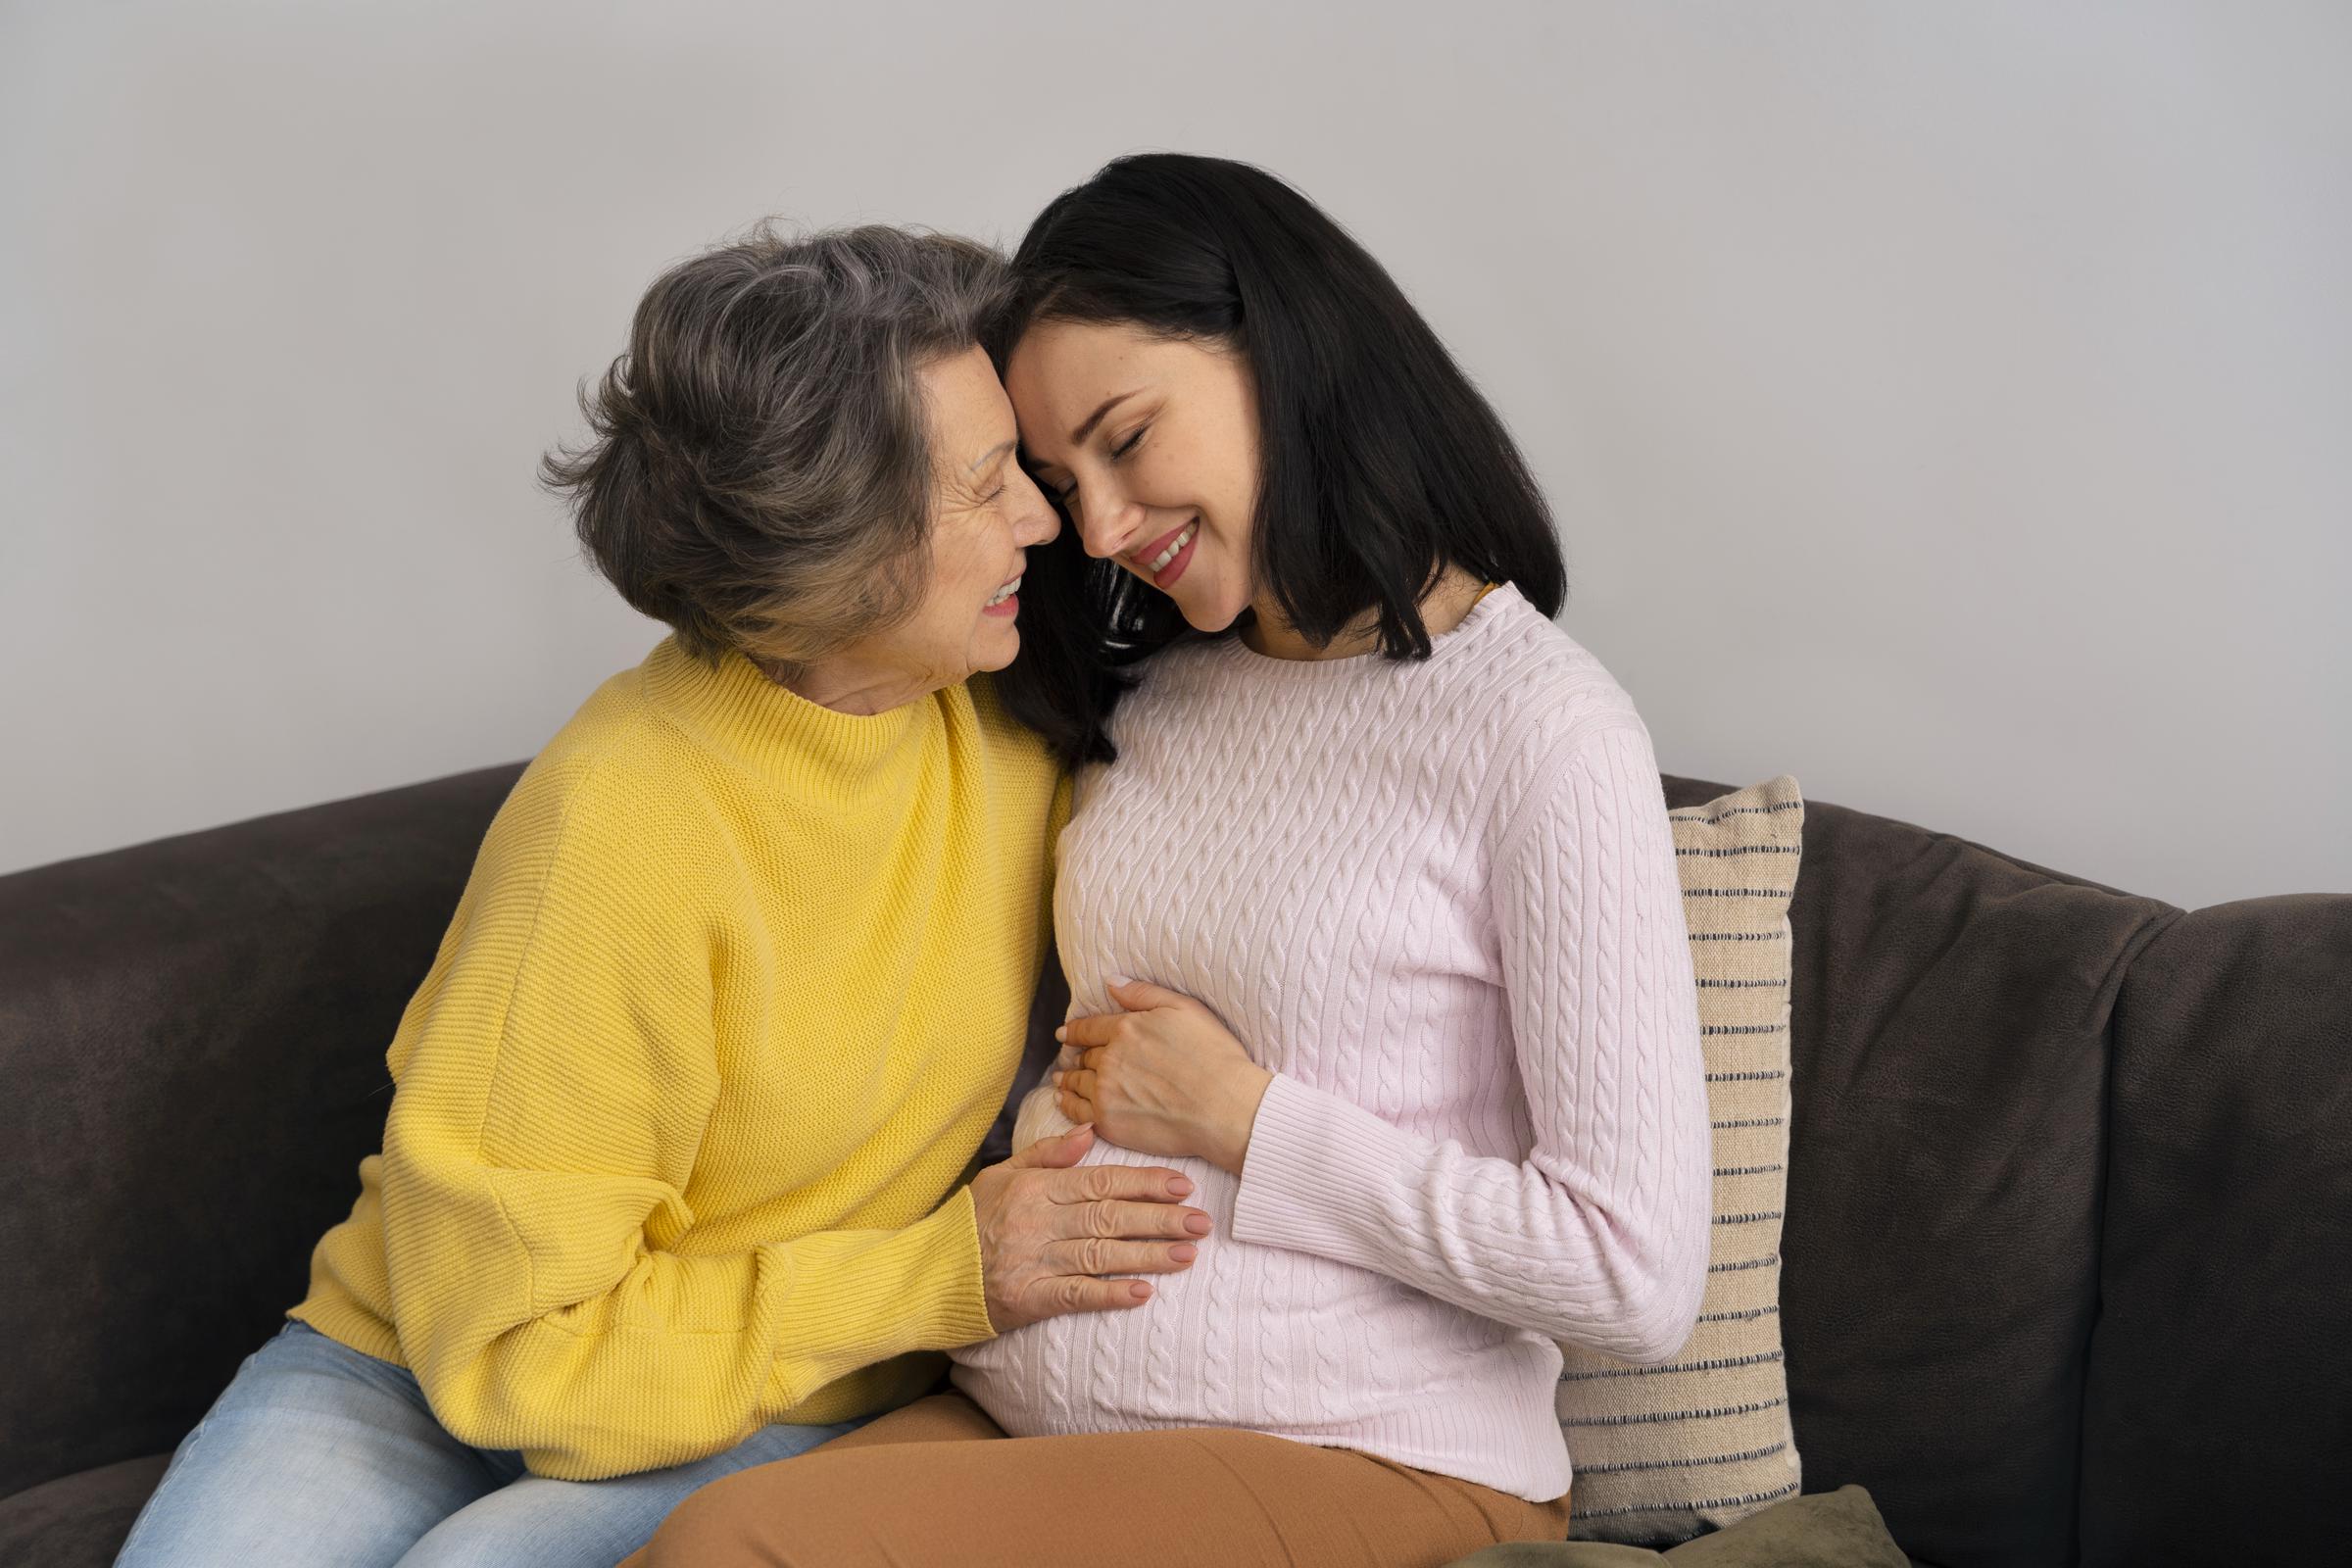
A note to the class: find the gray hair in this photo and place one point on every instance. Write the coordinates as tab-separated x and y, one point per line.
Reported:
760	475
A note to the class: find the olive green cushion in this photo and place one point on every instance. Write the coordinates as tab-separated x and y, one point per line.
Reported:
1839	1529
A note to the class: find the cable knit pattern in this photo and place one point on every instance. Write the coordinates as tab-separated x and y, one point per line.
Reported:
1438	901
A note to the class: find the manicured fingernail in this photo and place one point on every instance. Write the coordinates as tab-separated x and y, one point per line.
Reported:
1198	1224
1061	1034
1184	1252
1120	980
1181	1186
1141	1291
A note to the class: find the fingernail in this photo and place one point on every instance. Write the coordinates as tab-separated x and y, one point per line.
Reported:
1198	1224
1120	980
1081	1127
1184	1252
1181	1186
1141	1291
1062	1035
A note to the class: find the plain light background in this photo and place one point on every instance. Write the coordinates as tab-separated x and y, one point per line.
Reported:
1950	406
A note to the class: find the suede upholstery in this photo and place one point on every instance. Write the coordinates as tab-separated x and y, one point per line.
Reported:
2070	1205
2219	1409
1948	1027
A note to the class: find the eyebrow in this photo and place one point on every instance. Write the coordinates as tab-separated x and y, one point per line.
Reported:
1080	434
1000	448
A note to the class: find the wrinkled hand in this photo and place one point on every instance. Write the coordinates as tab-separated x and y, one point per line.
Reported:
1049	1228
1162	1076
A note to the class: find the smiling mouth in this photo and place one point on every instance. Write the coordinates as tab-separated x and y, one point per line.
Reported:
1006	592
1167	545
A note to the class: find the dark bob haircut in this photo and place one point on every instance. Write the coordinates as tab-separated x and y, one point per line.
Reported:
1380	463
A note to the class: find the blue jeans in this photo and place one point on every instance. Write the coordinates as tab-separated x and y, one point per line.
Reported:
318	1454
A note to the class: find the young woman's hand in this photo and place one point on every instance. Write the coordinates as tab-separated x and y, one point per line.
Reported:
1162	1076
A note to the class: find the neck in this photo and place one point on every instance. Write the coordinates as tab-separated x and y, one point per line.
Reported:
848	686
1442	607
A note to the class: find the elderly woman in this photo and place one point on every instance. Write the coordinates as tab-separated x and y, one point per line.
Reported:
734	991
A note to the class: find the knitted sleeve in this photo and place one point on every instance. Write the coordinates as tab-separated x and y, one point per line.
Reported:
1599	1235
555	1075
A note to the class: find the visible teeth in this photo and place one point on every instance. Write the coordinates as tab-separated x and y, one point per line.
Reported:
1006	592
1174	544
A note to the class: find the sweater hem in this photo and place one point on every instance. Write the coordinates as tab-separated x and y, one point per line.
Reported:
1536	1469
350	1326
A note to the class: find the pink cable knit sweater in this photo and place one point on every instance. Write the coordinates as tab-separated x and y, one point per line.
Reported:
1438	902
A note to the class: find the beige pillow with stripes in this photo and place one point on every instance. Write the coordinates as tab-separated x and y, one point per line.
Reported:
1664	1454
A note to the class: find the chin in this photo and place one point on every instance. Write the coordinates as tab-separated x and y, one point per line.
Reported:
1213	619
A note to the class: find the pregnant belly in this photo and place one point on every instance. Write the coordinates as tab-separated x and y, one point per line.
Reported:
1251	1336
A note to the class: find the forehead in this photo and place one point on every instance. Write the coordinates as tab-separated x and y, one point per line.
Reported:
1059	365
963	392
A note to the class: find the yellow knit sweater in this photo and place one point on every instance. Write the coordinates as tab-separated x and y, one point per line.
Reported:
734	991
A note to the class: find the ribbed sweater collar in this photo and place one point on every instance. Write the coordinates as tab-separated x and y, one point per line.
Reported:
1242	661
777	734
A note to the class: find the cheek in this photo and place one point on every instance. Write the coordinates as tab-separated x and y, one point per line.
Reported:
1204	476
968	569
942	619
960	561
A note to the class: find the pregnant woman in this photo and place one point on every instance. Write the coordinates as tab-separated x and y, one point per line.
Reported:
1371	917
671	1179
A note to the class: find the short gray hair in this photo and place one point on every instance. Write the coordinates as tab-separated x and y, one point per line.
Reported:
760	475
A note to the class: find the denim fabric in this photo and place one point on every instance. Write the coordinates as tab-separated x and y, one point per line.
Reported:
318	1454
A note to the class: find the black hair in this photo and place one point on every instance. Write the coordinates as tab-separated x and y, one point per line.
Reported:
1379	462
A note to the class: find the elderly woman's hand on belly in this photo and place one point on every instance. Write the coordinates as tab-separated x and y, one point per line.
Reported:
1164	1076
1047	1231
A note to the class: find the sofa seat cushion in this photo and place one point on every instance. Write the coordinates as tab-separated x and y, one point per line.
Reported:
1839	1529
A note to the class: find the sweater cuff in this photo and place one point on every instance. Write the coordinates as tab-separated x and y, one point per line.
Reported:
1319	1173
920	1290
951	1255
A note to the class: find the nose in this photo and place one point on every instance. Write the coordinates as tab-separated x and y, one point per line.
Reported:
1037	520
1111	527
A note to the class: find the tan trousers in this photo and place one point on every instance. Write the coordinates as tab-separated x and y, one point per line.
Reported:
936	1483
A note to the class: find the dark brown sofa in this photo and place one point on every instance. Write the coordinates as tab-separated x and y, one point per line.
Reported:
2068	1235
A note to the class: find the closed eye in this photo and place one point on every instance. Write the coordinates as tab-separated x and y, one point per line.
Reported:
1065	494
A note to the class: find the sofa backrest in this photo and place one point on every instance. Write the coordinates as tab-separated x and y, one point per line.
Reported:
192	1034
2217	1413
1948	1021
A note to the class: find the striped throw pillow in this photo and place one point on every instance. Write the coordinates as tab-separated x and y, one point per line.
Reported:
1665	1453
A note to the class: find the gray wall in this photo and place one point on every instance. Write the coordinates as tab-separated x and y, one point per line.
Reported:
1947	404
